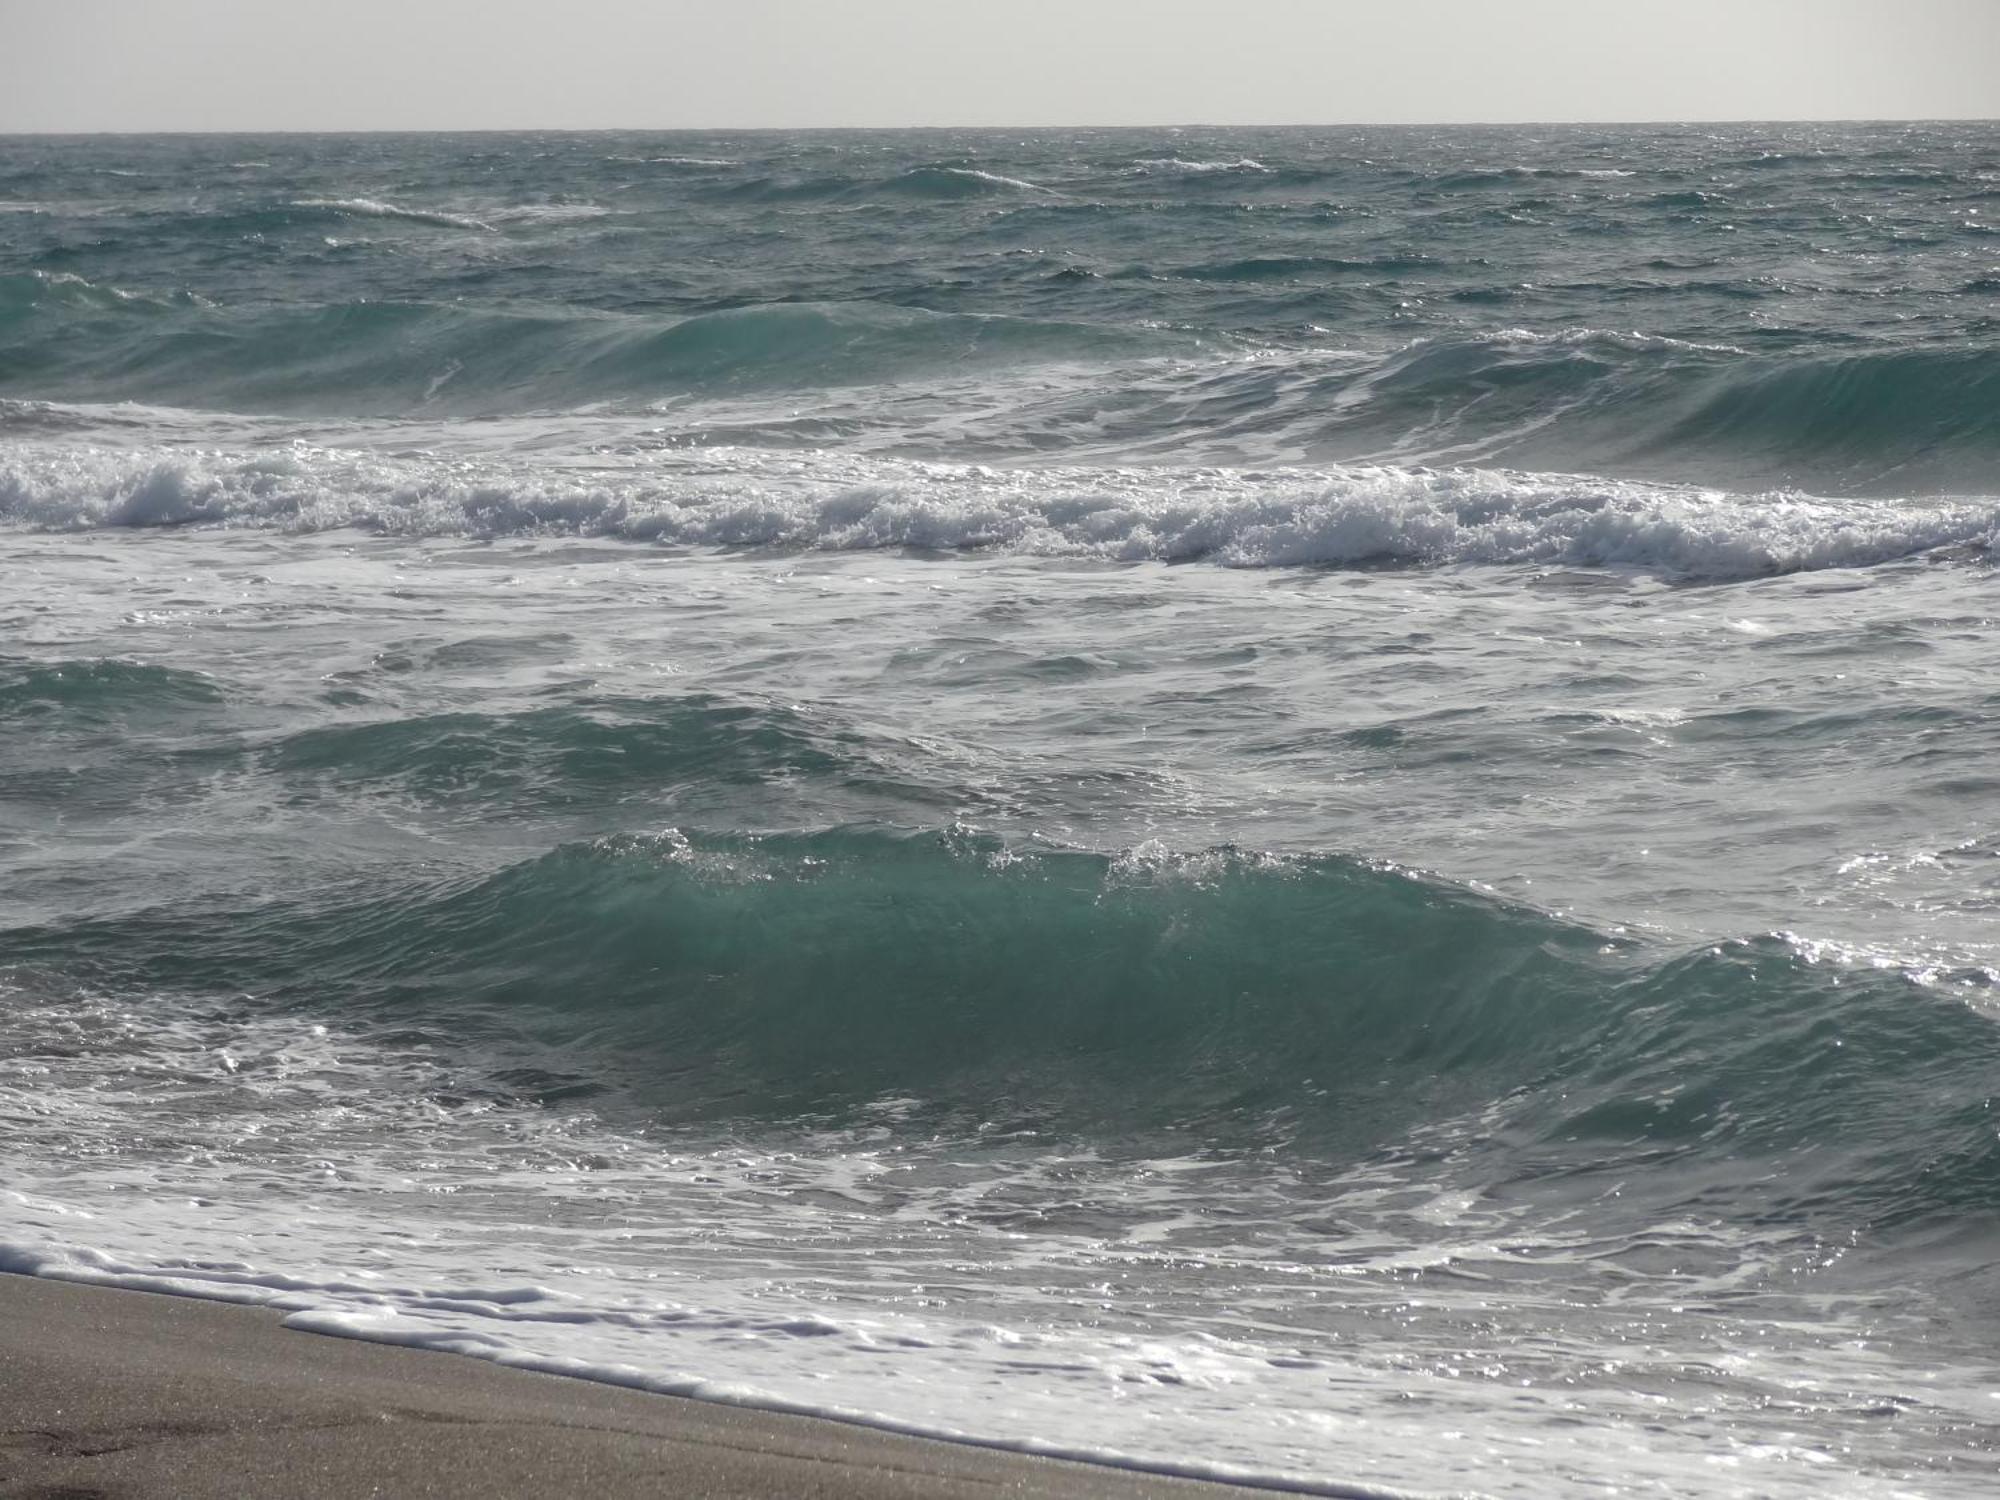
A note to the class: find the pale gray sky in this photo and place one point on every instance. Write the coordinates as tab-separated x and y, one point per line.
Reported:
500	64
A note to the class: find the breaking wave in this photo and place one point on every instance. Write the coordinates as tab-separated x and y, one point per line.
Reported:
1372	515
1218	992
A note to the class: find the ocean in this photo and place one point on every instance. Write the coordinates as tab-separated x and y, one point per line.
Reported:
1320	806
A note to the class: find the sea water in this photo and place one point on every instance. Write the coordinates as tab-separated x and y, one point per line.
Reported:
1311	804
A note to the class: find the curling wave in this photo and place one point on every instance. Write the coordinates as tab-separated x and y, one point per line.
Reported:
1331	1002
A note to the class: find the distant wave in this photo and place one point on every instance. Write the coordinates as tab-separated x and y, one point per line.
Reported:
956	182
1175	166
371	208
1897	421
706	163
98	690
1362	516
1481	177
550	213
942	182
1301	267
1907	420
384	357
22	295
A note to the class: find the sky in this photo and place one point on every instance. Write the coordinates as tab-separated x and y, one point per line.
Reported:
104	65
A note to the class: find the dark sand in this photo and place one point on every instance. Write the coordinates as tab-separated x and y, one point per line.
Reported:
114	1394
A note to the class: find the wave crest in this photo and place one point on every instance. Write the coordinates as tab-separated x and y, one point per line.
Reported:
957	182
374	208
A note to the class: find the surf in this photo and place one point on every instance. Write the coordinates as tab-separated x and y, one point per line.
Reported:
720	498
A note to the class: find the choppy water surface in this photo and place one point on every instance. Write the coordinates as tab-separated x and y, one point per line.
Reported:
1315	804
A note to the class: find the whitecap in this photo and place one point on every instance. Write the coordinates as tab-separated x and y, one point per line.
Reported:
372	208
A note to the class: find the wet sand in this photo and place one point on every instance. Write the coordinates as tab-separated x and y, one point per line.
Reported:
118	1394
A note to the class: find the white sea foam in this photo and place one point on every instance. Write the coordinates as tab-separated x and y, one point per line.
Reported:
292	1166
761	499
455	1320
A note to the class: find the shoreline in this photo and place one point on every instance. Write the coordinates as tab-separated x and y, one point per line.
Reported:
118	1394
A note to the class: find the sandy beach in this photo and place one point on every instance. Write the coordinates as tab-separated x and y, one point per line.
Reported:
120	1394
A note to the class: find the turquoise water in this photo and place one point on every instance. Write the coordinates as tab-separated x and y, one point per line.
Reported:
1310	804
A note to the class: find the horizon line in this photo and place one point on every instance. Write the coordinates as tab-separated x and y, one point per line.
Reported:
1466	124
